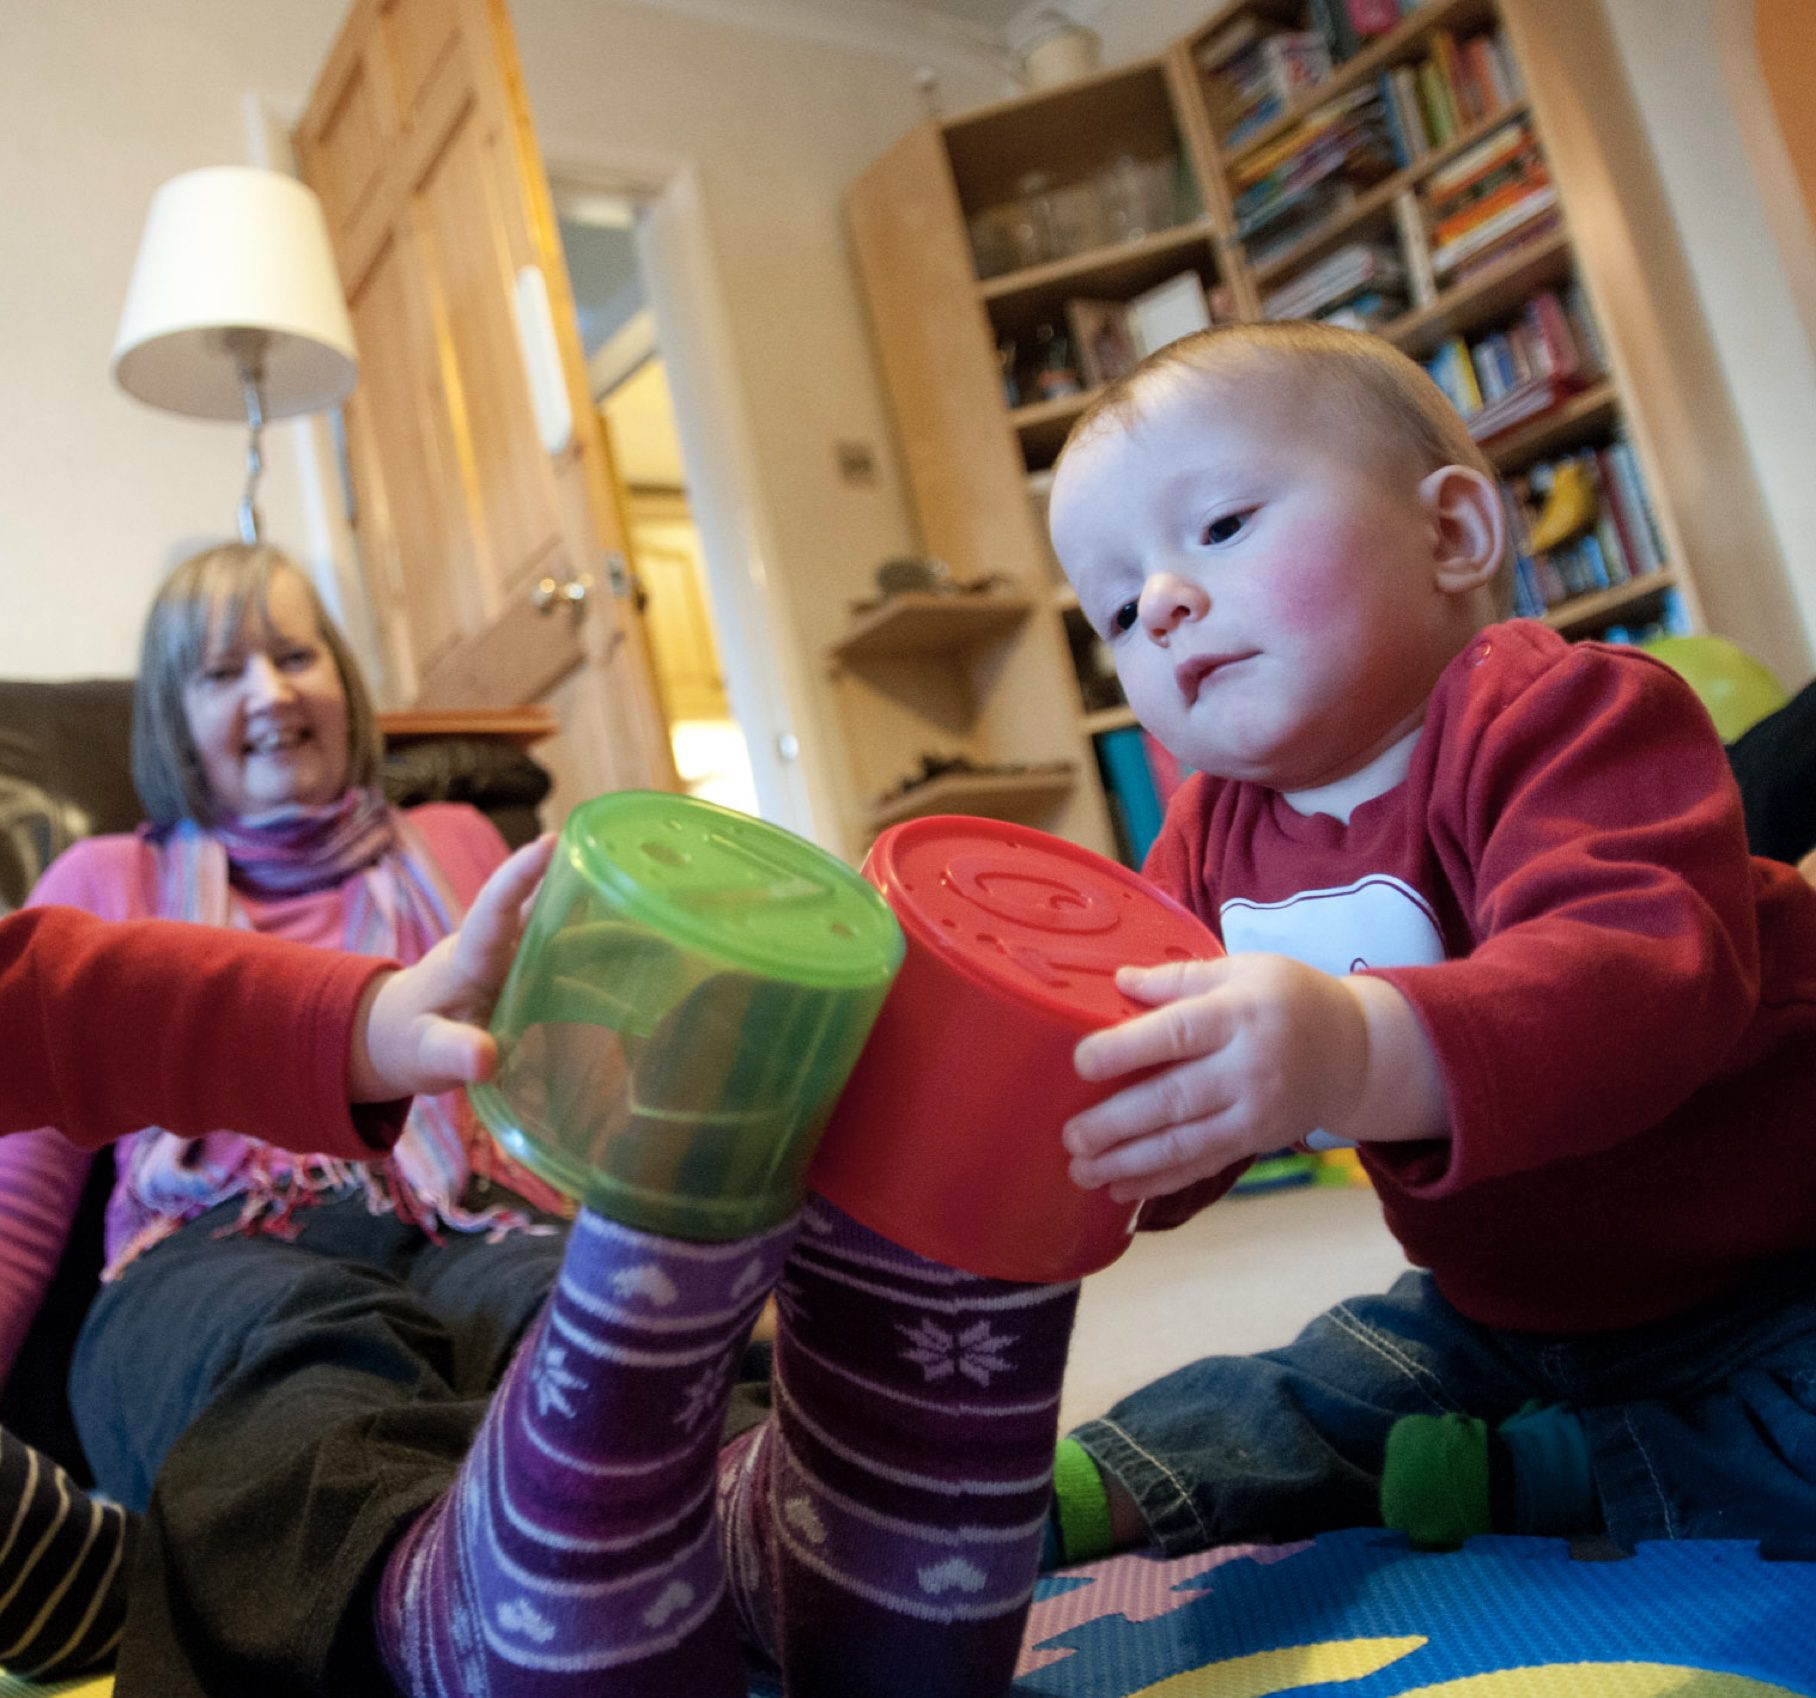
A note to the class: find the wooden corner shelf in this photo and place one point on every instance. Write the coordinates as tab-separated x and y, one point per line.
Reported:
926	621
999	796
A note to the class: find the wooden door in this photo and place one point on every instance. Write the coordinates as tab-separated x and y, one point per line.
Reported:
491	541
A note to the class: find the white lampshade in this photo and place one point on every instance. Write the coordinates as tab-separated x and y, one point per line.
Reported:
234	248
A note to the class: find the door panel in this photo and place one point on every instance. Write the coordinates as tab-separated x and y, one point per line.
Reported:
417	138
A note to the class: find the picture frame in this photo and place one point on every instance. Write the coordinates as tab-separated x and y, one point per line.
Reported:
1101	340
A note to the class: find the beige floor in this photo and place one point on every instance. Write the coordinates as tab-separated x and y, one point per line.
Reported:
1245	1275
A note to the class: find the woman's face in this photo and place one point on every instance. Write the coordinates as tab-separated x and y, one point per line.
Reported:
266	709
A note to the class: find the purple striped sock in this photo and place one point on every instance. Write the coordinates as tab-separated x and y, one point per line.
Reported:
884	1528
578	1550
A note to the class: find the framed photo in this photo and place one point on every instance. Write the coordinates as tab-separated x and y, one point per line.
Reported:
1100	340
1168	311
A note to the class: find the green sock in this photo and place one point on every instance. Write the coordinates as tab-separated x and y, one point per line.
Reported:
1081	1505
1436	1484
1445	1478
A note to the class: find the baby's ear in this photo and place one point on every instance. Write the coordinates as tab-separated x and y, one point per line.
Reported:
1468	527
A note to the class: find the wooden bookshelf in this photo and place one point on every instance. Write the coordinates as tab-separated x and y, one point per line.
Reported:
976	465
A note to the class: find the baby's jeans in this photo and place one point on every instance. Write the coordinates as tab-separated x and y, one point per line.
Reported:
1701	1426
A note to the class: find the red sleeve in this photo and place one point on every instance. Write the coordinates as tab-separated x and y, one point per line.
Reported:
1619	958
111	1027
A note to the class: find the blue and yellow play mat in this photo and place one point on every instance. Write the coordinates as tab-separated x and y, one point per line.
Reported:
1362	1615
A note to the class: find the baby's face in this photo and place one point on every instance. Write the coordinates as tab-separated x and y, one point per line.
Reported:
1265	585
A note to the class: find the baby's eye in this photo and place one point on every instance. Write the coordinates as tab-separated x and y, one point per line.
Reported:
1123	619
1222	530
296	660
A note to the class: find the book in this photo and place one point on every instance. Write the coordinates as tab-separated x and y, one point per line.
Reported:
1409	222
1455	175
1447	256
1345	272
1122	756
1168	311
1403	86
1372	17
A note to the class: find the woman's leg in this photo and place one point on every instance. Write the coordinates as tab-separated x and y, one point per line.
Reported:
1289	1442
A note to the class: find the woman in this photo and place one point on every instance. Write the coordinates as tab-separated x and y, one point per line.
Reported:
361	1479
256	754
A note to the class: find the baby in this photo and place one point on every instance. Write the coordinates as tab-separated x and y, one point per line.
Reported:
1491	917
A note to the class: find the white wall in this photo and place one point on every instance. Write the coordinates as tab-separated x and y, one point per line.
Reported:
1686	87
100	102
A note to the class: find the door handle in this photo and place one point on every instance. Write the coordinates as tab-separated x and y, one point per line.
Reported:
550	592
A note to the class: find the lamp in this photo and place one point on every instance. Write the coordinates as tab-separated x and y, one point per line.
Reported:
235	307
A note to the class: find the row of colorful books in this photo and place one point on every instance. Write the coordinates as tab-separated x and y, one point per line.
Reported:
1342	144
1361	283
1595	503
1501	379
1429	102
1492	194
1251	78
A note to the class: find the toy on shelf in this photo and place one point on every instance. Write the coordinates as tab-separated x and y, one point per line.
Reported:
691	992
947	1138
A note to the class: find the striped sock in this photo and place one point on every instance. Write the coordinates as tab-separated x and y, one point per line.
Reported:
884	1527
579	1550
63	1561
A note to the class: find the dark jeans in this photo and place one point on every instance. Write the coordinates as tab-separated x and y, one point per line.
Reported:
1702	1426
288	1409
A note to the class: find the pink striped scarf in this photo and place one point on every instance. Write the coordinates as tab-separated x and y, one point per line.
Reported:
397	904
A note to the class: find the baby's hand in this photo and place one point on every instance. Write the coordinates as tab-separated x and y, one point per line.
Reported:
423	1029
1262	1051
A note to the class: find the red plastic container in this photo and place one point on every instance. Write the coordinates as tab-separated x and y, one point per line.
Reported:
947	1136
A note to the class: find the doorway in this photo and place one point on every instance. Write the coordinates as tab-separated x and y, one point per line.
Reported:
601	236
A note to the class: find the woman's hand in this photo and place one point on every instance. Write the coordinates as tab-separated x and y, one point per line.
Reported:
1253	1052
422	1029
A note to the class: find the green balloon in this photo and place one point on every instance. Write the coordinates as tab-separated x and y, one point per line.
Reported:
1737	690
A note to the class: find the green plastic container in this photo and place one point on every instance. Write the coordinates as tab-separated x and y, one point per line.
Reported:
691	992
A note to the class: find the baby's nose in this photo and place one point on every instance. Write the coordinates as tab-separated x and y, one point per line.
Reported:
1169	601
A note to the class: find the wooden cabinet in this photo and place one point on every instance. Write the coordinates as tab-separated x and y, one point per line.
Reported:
990	244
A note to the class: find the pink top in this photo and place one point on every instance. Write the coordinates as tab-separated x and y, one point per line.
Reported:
41	1175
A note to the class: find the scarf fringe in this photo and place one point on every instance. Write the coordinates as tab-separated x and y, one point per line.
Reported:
275	1196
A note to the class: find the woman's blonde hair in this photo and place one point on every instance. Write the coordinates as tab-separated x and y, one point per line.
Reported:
1374	388
219	587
